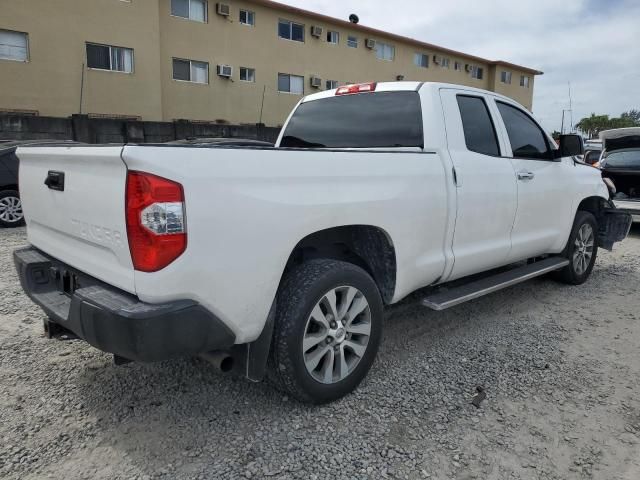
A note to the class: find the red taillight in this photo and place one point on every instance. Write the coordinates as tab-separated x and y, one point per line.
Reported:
155	221
358	88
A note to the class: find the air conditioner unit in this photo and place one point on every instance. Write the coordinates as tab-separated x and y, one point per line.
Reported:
316	82
225	71
437	59
468	67
223	9
316	31
370	44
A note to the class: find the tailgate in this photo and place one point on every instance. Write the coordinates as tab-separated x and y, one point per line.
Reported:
81	223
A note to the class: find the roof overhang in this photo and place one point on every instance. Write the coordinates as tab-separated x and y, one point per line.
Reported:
392	36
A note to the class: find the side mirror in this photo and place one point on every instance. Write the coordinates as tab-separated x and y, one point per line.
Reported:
591	157
571	145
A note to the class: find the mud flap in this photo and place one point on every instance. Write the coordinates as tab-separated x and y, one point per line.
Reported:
614	227
257	353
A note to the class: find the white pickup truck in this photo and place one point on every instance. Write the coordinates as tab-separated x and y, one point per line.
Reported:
282	259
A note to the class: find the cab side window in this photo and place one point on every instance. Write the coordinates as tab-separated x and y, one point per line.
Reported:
479	132
526	137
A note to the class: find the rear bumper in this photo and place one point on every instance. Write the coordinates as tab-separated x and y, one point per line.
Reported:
115	321
614	227
632	207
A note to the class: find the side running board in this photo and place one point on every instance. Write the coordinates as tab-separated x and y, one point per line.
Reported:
443	299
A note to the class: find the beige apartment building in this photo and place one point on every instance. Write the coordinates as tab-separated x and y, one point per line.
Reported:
237	61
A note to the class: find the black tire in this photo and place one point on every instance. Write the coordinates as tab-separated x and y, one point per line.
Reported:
11	219
572	273
299	293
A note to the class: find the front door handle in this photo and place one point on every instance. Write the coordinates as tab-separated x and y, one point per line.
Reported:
526	175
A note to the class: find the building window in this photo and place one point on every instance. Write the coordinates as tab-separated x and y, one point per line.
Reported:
105	57
421	60
352	42
290	83
524	81
331	84
190	71
333	37
457	66
248	74
477	72
291	31
444	63
247	18
14	46
385	51
505	77
195	10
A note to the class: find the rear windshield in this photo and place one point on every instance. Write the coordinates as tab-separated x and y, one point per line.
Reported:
626	159
365	120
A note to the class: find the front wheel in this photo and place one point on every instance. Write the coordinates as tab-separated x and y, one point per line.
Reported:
328	329
581	250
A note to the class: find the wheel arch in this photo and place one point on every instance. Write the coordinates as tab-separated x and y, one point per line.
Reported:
370	247
594	204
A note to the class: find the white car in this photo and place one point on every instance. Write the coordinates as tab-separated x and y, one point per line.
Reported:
287	256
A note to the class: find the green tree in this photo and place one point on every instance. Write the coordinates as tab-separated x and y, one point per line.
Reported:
633	116
593	125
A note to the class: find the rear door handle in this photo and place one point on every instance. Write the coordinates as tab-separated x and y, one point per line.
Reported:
525	175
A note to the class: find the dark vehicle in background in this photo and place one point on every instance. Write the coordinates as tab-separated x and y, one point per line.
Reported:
620	163
11	214
10	206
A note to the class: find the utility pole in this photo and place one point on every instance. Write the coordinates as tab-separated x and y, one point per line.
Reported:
264	91
81	89
571	109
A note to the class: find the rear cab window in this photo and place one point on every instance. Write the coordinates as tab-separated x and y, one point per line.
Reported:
363	120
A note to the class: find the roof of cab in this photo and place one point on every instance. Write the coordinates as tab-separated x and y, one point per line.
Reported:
407	86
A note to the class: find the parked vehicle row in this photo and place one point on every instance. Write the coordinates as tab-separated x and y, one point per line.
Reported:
620	163
10	205
285	256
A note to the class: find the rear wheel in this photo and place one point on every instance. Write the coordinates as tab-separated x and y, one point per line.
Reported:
581	250
327	332
10	209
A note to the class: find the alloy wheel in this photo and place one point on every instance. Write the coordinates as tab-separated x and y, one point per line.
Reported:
336	334
10	209
583	248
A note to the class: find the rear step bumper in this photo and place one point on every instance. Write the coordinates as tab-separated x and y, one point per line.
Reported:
115	321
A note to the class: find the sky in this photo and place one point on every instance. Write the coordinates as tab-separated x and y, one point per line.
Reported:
593	44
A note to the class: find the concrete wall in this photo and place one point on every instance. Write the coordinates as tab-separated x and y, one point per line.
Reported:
50	82
99	130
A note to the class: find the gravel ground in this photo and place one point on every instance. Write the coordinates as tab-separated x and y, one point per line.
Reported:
560	366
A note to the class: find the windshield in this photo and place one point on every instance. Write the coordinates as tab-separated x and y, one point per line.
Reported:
365	120
623	159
